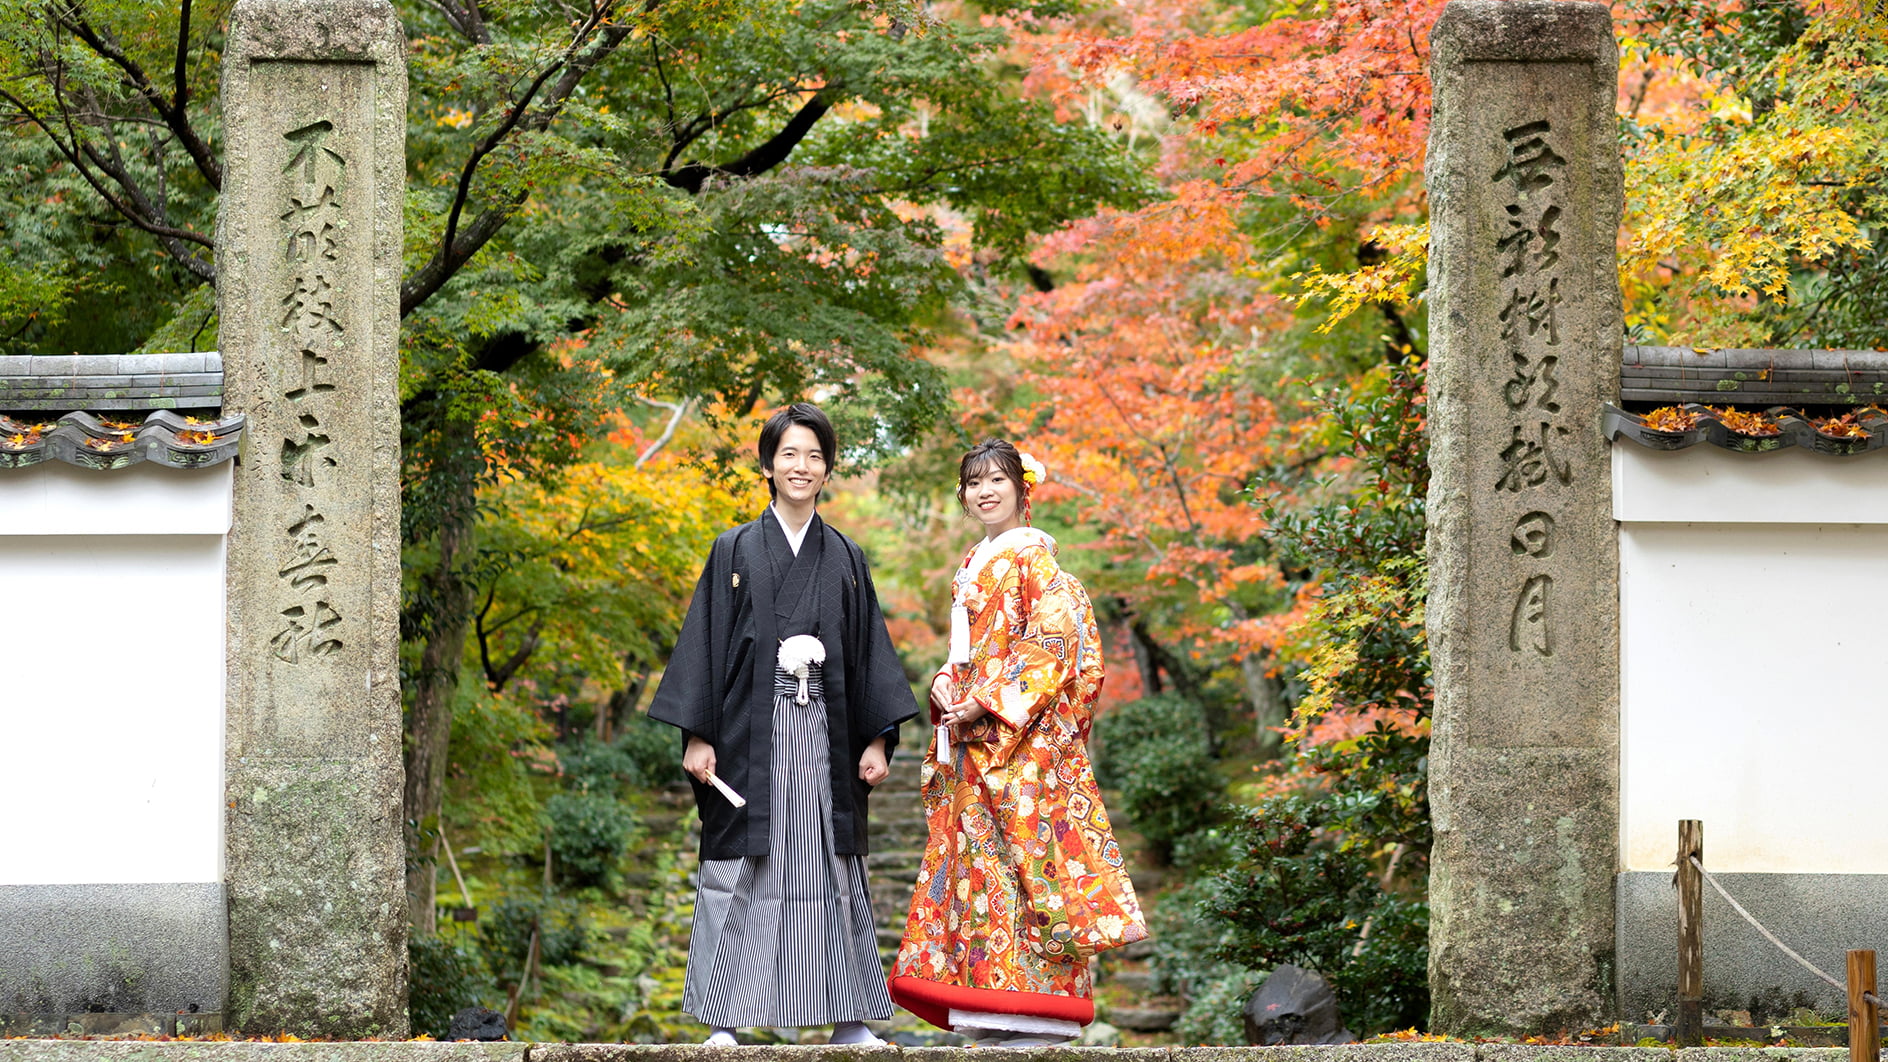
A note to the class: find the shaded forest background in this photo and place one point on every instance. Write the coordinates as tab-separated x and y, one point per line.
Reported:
1174	249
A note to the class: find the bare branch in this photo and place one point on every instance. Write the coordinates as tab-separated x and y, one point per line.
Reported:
475	23
702	124
180	87
496	676
679	410
501	675
467	20
454	250
662	74
764	156
432	276
75	153
134	77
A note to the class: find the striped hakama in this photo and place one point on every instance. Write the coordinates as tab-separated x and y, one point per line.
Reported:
786	939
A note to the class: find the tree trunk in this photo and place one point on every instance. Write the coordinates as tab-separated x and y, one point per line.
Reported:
1268	707
1144	661
446	608
621	707
1262	693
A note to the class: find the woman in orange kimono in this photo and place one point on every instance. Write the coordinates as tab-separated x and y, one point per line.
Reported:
1022	880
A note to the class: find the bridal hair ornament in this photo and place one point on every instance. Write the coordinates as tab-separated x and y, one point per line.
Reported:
797	656
1033	475
1033	472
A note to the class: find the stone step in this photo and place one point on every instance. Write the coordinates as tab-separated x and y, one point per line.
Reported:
661	822
1134	982
1143	1019
1139	951
889	858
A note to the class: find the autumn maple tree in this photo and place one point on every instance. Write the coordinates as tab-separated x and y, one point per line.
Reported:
1165	367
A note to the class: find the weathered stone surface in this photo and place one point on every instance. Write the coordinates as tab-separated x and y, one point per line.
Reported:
250	1051
1822	916
744	1052
308	254
1763	1054
1543	850
477	1023
121	949
1524	185
1569	1053
242	1051
1399	1052
1144	1019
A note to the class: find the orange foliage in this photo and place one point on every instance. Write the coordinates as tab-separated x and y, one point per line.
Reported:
1340	97
1842	427
1671	418
1148	394
1747	423
1144	426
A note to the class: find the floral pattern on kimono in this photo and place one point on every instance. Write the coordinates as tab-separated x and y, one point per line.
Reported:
1022	879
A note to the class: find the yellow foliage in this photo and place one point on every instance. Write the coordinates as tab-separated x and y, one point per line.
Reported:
1725	203
600	563
1387	281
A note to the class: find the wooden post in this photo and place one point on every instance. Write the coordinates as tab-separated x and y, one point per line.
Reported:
1864	1016
1689	1030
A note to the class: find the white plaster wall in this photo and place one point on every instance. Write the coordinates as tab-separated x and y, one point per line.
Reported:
1751	691
111	674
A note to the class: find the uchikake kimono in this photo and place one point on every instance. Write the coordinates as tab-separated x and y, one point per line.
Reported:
782	934
1022	880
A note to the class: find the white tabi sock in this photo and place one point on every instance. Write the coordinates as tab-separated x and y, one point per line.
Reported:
854	1032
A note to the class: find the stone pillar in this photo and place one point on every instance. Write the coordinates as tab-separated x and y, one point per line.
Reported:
1525	198
308	258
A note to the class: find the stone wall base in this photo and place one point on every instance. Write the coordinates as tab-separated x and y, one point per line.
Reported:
123	950
96	1023
1821	916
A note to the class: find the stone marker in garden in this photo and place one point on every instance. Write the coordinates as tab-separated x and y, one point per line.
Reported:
308	260
1524	185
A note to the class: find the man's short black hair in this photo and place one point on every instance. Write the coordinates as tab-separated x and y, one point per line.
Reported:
806	415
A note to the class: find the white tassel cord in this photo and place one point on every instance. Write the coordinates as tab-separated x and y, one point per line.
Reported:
798	654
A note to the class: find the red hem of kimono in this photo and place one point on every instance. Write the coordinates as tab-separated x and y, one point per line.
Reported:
932	1001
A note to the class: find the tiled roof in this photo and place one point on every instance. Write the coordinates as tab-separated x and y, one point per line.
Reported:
1773	429
35	390
1670	376
164	438
1826	401
60	383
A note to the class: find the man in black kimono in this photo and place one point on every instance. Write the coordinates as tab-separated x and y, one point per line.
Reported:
783	932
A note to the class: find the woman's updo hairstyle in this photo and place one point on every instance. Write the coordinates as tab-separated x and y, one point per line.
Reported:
985	456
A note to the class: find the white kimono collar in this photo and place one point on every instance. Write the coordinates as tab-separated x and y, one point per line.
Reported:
1014	539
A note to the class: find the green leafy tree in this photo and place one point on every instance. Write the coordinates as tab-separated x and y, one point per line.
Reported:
726	204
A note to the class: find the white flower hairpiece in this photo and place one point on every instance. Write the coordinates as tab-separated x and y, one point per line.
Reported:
1033	472
797	655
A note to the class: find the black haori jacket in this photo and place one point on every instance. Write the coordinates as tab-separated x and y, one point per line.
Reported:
719	683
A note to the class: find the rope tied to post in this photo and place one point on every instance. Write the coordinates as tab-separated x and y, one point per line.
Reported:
1772	937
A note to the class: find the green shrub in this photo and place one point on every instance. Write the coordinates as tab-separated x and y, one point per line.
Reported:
1157	753
654	752
1297	895
590	766
443	979
1203	850
589	833
646	755
505	934
1215	1011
